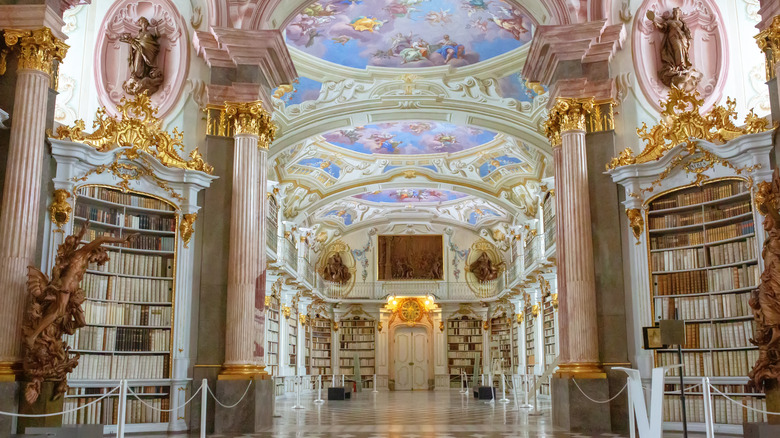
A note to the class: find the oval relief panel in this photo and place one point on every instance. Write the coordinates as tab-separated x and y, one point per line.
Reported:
121	28
708	50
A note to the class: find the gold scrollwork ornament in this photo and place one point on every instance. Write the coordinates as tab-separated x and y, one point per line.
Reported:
535	310
519	318
60	209
769	42
251	118
379	326
441	326
636	222
554	300
38	49
187	227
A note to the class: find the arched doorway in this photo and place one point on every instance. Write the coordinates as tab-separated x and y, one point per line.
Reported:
411	358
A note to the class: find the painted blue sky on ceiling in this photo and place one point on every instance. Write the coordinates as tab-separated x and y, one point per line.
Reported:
410	195
409	138
409	33
516	87
326	166
340	214
301	90
494	163
481	213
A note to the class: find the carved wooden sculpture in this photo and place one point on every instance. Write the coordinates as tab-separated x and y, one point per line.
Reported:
765	300
55	310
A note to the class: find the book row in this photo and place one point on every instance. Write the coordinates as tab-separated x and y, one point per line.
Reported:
465	339
465	347
730	231
365	362
357	338
736	277
683	308
720	212
136	264
719	335
676	220
273	325
108	313
733	363
679	259
698	196
464	355
144	241
730	305
349	354
465	332
733	252
468	324
714	280
105	411
357	331
128	199
668	241
723	411
117	217
320	371
106	367
120	339
320	362
272	348
113	288
325	354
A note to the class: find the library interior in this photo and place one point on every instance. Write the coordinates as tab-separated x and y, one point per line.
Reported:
390	218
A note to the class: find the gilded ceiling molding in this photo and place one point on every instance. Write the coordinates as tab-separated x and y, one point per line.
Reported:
681	121
251	118
138	129
37	49
769	42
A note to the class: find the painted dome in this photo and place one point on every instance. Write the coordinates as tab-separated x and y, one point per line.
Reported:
409	138
409	33
428	196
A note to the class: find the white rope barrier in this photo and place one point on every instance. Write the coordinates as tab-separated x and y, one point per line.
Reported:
597	401
740	404
234	404
165	410
11	414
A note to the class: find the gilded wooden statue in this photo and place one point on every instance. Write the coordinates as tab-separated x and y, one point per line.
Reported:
765	301
145	74
484	269
54	310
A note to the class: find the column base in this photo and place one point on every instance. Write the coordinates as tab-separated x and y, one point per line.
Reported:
44	405
243	372
572	411
254	414
761	430
8	403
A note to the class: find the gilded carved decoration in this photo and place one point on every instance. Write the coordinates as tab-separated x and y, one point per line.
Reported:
519	318
769	42
681	122
765	301
139	130
60	209
55	311
578	114
636	222
554	300
251	118
535	310
37	49
544	286
187	227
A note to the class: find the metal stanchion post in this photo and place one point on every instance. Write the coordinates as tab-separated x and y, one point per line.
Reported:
298	383
526	383
342	380
375	390
503	389
319	390
333	384
463	390
535	411
204	399
121	418
709	427
631	419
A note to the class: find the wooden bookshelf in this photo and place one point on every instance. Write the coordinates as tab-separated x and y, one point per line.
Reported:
292	339
548	216
128	307
320	347
464	347
272	336
501	342
530	341
549	330
515	345
357	336
703	266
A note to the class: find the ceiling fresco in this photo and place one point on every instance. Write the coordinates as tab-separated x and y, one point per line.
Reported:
410	195
409	138
301	90
409	33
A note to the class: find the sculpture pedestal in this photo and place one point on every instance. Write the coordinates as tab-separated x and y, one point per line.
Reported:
44	405
254	414
8	403
572	411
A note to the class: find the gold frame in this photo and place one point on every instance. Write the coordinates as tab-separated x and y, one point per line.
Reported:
376	259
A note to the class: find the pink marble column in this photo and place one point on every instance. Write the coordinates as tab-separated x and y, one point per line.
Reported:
560	254
246	271
22	191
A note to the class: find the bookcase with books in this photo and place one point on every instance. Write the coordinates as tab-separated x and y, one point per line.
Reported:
549	330
464	347
704	263
501	342
128	309
272	335
320	347
515	345
548	217
357	337
292	338
530	340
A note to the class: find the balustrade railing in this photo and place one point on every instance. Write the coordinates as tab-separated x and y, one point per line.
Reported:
549	237
307	271
271	239
442	290
531	252
290	254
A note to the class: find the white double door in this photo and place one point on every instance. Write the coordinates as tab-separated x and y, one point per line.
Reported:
411	359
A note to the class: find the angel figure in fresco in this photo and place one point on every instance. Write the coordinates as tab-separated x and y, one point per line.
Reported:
386	143
145	75
513	24
417	52
362	24
55	310
450	49
484	269
473	6
419	127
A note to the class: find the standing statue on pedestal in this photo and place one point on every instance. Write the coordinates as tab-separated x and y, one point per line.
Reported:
145	75
765	301
55	310
677	69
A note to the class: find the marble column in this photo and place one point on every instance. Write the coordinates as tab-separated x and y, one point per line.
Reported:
253	132
560	255
577	296
37	50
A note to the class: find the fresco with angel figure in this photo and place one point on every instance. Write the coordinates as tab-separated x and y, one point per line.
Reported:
409	138
409	33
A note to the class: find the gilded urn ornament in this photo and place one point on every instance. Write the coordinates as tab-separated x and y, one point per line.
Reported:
54	310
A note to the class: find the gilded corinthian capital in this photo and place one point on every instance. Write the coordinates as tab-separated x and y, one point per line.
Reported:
568	114
251	118
37	49
769	42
